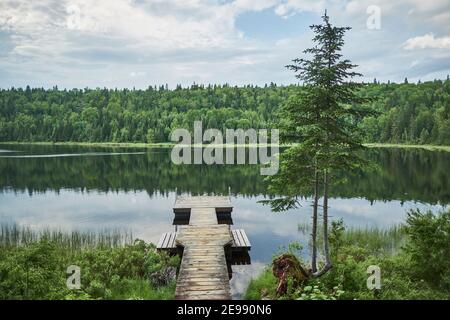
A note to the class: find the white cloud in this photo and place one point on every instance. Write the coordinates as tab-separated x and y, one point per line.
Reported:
200	25
290	7
78	43
252	5
427	41
137	74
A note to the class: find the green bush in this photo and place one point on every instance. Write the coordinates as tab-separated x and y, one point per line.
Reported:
34	271
429	247
418	270
37	270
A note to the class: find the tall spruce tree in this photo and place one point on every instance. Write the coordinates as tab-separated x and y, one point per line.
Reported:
321	119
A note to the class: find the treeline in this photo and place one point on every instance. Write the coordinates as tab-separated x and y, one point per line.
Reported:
410	113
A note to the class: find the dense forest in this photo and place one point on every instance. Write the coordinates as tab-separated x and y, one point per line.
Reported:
409	113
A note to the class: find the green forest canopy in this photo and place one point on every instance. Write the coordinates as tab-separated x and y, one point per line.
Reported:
410	113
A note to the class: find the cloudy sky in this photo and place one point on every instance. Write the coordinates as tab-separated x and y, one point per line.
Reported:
137	43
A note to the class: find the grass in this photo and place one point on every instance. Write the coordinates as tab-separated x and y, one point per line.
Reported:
12	235
138	289
262	287
374	239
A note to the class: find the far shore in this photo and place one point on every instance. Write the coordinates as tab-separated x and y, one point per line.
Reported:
429	147
171	144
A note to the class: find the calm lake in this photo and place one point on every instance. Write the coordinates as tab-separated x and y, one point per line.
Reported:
68	187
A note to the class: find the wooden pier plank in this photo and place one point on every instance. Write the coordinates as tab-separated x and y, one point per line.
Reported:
203	272
161	240
186	202
166	240
240	239
244	236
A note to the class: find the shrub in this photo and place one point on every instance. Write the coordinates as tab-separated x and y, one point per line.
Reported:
37	270
429	246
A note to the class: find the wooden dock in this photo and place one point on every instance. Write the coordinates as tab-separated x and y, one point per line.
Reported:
204	272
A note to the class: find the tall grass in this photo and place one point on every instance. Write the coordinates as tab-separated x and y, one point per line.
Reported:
374	239
13	235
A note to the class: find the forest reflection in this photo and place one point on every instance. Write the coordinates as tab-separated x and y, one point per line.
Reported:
397	174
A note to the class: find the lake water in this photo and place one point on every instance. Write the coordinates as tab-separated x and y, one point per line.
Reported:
68	187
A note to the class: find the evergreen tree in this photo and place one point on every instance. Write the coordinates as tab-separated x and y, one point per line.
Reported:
322	119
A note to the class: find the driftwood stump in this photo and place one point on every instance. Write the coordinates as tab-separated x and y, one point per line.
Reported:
286	267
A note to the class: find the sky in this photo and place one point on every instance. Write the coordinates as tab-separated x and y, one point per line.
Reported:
138	43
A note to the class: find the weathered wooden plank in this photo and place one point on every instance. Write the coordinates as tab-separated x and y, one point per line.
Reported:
244	236
219	258
241	236
209	264
200	281
204	259
199	259
206	249
204	256
239	239
201	255
161	240
213	291
204	275
174	244
203	267
203	271
207	201
166	241
207	292
236	238
172	240
243	244
218	286
164	245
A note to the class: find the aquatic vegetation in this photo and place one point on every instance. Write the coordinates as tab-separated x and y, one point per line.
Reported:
12	234
375	239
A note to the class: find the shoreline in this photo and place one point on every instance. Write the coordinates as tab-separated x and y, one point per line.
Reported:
428	147
171	144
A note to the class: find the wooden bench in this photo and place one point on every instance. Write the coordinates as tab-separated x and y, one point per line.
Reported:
167	241
240	240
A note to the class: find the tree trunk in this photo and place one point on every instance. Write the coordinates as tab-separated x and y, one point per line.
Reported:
326	248
314	224
325	217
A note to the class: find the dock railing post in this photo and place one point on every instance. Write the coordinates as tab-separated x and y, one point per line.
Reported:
229	193
176	194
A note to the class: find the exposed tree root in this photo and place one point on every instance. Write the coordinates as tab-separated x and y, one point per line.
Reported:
286	267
